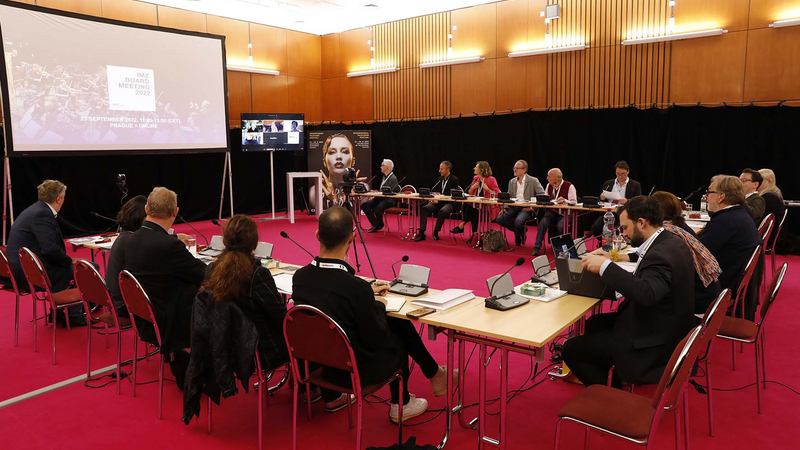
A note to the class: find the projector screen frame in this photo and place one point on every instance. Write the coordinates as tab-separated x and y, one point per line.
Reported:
4	89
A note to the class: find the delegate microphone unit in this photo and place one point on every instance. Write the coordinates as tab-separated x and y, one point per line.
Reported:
542	271
412	281
501	293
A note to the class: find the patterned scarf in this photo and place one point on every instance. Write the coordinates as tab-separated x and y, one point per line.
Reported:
705	263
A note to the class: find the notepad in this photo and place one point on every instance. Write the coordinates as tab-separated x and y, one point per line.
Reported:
445	299
395	304
283	281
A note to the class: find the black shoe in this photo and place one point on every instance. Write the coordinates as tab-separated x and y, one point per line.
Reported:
435	235
535	251
518	240
457	230
372	229
419	237
77	321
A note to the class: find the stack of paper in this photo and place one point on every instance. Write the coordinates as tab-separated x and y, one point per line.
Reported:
444	299
395	304
283	281
550	294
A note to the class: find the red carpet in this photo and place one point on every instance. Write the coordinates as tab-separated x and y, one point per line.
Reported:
62	418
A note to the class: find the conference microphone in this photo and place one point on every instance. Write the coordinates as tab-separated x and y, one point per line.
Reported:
195	230
397	188
369	182
576	244
404	259
216	222
286	236
694	193
437	183
651	190
92	213
518	262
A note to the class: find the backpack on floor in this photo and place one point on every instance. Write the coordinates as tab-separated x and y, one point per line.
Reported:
494	241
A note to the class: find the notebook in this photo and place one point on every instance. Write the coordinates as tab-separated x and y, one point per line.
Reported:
444	299
395	304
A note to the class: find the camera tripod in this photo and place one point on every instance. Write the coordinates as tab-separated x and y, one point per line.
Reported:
347	189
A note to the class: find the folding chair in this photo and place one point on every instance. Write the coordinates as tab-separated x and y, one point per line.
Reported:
8	272
712	320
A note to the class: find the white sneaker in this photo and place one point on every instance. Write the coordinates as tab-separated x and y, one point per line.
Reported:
413	408
439	381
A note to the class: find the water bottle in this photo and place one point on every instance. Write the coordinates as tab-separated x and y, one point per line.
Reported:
703	203
608	230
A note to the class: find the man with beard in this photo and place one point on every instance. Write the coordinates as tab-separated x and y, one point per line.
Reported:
657	311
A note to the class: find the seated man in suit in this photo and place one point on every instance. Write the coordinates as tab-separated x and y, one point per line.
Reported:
731	235
37	229
522	187
169	274
374	208
560	191
625	186
657	311
753	203
444	184
381	344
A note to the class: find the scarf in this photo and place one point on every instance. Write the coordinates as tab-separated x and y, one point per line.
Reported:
705	264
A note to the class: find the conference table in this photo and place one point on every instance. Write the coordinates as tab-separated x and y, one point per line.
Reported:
484	206
525	330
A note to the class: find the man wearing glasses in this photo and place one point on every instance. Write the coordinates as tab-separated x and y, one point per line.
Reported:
754	203
731	235
521	187
374	208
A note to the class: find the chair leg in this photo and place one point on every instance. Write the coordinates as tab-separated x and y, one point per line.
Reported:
733	355
349	414
710	400
261	392
135	359
294	413
160	385
558	434
105	327
758	376
16	321
678	436
763	357
119	358
66	317
208	402
54	333
35	334
586	439
686	418
88	351
359	411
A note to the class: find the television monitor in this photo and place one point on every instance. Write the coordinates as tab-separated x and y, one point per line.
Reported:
273	132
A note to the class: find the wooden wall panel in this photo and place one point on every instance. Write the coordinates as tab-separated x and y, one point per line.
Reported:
181	19
357	98
269	47
305	97
476	31
536	82
407	43
765	12
239	96
354	51
331	60
512	26
696	64
90	7
304	56
131	11
693	15
773	72
411	93
331	98
474	87
536	26
511	83
237	36
270	93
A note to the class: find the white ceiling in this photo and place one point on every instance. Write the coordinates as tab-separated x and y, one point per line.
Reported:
319	16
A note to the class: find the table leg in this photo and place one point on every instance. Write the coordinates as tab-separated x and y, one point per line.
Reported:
449	412
503	397
290	192
481	395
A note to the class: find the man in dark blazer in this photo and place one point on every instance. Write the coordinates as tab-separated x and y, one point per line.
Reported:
169	274
37	229
522	187
446	182
625	186
731	236
657	311
753	203
374	208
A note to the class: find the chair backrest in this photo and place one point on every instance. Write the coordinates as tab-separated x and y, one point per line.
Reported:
6	270
34	271
765	228
408	189
774	241
137	301
314	337
92	285
772	292
747	274
712	320
676	374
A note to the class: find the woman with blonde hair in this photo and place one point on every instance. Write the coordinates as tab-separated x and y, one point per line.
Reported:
773	200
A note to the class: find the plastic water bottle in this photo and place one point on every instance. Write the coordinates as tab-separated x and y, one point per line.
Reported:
703	203
608	230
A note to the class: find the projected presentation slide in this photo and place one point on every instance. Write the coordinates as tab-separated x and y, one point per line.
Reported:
82	85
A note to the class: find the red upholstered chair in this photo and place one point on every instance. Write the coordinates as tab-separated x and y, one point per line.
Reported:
314	337
765	231
774	242
400	211
8	272
712	320
747	332
37	278
737	307
138	303
93	290
633	417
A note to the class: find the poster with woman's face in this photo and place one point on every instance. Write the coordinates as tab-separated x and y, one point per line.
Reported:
333	152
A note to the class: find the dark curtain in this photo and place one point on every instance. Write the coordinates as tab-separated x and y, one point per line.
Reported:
676	149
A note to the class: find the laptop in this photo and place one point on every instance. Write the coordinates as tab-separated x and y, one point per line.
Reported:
411	281
575	280
215	247
503	297
542	272
563	243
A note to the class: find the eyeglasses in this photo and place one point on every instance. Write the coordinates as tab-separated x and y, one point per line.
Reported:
745	180
712	192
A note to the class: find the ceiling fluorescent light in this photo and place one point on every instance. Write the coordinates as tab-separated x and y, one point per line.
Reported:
785	23
675	37
253	70
372	72
450	62
545	51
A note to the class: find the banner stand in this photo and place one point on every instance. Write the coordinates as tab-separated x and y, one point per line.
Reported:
226	170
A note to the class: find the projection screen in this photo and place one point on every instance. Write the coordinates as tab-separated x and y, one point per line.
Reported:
74	84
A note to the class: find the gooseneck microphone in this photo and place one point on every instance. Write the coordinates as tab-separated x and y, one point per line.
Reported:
216	222
697	191
651	190
403	259
576	244
286	236
518	262
195	229
397	188
92	213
